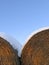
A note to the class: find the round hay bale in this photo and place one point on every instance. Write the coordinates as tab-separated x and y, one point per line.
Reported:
15	44
36	49
8	56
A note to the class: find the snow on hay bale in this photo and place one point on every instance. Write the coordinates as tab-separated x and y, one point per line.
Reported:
16	45
36	48
8	56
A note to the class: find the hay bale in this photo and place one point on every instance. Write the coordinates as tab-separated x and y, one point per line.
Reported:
15	44
8	56
36	50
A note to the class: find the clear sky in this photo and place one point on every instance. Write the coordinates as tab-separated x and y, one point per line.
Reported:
19	18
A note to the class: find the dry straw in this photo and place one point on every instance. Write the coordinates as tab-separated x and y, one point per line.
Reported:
8	56
36	49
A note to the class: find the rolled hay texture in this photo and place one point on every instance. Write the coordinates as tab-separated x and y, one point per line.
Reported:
8	56
36	50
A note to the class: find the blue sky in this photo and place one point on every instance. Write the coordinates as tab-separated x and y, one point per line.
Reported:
19	18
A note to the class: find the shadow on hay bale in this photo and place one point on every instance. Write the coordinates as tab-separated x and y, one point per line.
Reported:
8	56
36	50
